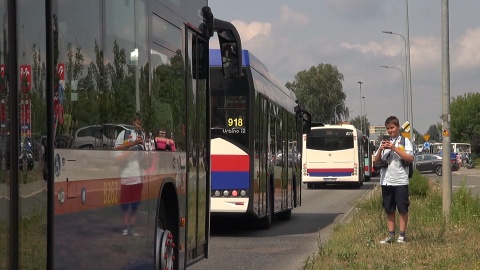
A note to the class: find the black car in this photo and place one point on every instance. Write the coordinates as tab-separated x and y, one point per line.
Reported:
429	163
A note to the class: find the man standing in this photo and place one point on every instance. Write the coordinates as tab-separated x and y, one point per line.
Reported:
394	159
130	173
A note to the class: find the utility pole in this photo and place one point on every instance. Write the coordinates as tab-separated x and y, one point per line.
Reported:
446	142
361	111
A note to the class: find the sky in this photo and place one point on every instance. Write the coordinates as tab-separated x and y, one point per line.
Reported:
292	36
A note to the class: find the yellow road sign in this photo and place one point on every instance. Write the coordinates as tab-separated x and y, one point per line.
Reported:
406	126
426	137
406	134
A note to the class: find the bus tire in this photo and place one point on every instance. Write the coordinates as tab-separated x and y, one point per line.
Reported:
310	186
166	248
285	215
266	221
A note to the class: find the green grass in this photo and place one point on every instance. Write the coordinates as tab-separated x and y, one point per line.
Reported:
434	242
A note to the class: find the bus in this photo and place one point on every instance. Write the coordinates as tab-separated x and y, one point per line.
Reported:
141	66
333	154
256	124
368	151
461	148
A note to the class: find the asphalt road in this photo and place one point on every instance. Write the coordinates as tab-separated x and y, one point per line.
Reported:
287	244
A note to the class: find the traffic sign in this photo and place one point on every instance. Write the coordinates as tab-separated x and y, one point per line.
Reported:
426	145
406	126
426	137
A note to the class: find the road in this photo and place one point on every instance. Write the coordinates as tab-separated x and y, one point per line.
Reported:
471	177
287	244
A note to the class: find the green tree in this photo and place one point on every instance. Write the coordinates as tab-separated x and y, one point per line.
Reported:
357	122
320	90
434	132
465	119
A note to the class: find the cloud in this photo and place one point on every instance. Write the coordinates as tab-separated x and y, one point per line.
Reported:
287	15
365	9
248	31
465	53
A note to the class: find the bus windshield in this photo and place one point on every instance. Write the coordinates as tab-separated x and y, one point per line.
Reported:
330	139
229	108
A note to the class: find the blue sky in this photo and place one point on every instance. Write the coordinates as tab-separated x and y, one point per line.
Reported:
292	36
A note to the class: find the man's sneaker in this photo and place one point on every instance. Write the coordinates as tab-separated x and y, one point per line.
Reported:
132	232
401	239
388	240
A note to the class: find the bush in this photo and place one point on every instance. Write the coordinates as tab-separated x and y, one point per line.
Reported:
418	185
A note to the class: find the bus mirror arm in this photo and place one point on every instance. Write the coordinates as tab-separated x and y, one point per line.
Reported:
230	48
306	118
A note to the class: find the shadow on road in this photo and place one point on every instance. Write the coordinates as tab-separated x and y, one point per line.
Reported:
300	223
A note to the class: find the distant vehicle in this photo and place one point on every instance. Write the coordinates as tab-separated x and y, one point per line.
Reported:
431	163
333	154
98	136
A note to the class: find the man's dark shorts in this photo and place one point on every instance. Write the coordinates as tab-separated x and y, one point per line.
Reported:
395	197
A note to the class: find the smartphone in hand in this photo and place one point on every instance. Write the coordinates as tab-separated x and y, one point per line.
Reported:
386	137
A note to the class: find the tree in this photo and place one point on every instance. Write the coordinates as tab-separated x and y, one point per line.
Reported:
434	132
320	90
465	120
357	122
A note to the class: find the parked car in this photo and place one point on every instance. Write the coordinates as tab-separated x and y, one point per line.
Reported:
429	163
98	136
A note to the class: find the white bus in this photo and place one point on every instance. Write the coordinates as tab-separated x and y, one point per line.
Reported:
333	154
435	148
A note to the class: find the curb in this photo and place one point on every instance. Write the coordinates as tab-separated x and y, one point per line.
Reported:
345	218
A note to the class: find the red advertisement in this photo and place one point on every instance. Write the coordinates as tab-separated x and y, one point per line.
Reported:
25	112
26	78
3	114
61	71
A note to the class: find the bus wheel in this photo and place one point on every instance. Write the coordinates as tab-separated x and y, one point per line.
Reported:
285	215
165	242
310	186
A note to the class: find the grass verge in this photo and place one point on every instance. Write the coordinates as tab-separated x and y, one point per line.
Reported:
433	241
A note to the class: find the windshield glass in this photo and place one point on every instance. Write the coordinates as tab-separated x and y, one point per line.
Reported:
330	139
229	104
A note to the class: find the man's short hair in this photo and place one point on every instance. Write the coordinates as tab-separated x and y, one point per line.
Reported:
392	120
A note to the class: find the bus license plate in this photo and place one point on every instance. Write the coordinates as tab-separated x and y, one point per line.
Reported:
330	179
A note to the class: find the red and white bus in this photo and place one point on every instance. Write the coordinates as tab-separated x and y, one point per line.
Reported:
255	126
140	65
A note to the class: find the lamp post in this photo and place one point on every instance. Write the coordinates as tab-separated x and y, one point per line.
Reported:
364	116
406	63
361	111
403	82
335	115
134	59
407	66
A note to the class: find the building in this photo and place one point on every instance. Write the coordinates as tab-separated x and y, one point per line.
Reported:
377	130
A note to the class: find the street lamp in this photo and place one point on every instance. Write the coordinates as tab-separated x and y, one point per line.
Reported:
335	115
361	124
408	67
403	82
134	59
364	116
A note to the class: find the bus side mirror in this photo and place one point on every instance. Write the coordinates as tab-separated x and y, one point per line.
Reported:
230	49
307	122
305	117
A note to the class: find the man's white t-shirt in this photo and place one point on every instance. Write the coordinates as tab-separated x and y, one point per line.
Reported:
396	174
130	171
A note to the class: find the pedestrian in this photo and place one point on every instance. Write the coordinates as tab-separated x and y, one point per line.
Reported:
394	159
130	161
